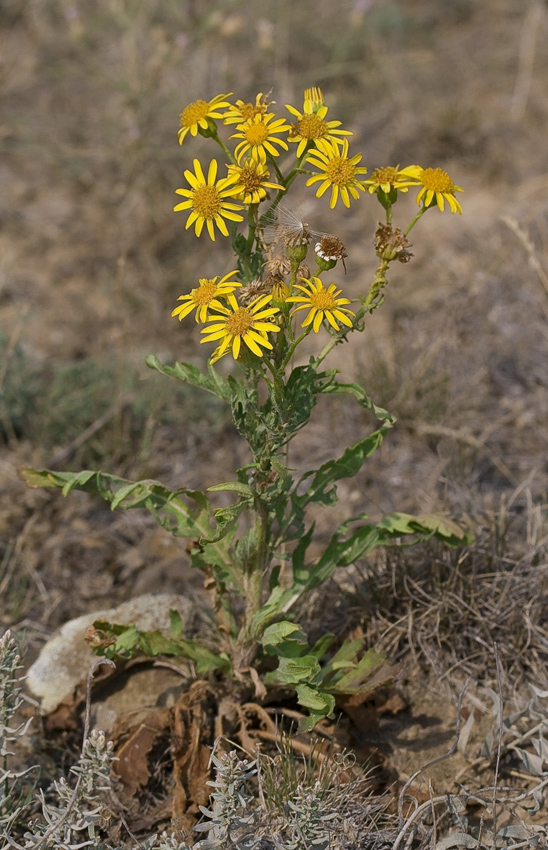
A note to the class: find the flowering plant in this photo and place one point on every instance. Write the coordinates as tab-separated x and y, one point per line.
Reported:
254	554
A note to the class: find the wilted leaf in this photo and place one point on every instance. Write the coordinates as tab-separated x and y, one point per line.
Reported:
132	758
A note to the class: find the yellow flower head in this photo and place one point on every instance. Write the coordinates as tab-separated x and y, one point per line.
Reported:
259	137
249	324
252	181
321	303
437	187
314	96
206	200
205	296
311	126
389	178
339	172
280	290
196	115
241	111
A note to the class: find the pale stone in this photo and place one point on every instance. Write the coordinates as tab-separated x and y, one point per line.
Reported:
66	658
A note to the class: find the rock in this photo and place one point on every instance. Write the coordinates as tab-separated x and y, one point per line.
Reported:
66	658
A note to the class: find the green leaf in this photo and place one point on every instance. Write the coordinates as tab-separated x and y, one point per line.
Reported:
130	641
175	624
165	505
291	671
444	529
234	486
356	679
275	605
326	701
363	399
322	645
190	374
321	489
284	638
344	658
315	700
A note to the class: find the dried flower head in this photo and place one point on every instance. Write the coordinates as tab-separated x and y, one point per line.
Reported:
392	244
277	266
331	249
252	290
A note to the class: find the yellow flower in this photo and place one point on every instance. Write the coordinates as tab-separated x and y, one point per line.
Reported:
339	172
205	296
389	178
258	136
322	303
311	126
315	96
280	291
207	199
437	187
241	111
252	181
241	323
195	115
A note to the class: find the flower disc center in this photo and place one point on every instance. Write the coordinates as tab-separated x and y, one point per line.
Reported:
256	134
340	171
194	112
323	300
240	322
436	180
389	174
250	179
312	127
204	293
206	201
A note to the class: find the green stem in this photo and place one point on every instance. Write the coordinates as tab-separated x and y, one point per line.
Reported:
257	569
252	221
286	182
292	347
226	151
420	213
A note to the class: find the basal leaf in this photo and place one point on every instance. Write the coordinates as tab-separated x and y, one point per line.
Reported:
284	635
370	663
291	671
315	699
130	641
